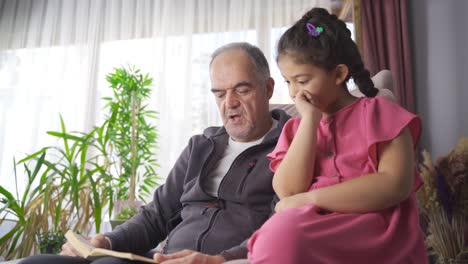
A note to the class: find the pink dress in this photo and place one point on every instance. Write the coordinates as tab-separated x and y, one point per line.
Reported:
346	148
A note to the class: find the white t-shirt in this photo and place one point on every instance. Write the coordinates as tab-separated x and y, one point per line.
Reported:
233	149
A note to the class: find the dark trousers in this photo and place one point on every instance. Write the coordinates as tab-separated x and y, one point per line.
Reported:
57	259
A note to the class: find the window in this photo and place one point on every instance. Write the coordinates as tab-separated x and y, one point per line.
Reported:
39	84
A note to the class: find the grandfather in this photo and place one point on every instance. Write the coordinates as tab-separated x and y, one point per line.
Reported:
219	191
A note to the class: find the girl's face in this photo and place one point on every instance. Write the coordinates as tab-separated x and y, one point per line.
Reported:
324	86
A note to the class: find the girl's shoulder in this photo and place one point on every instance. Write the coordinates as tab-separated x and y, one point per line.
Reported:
380	102
384	109
290	127
384	119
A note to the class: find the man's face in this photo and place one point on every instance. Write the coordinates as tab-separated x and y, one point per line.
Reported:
241	97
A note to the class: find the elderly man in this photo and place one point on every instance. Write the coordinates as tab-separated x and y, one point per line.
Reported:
219	191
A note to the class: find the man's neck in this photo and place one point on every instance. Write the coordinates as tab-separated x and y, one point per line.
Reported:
270	125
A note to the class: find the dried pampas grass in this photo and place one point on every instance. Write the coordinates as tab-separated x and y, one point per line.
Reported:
443	201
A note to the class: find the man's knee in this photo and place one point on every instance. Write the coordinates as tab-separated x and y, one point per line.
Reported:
57	259
113	260
52	259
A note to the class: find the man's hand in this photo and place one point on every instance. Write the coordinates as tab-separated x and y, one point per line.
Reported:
187	257
98	241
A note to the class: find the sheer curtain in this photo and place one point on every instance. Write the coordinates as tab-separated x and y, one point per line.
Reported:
54	55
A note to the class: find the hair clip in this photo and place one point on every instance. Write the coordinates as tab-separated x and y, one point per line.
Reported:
313	31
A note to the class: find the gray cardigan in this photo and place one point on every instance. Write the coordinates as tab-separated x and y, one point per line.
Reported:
192	219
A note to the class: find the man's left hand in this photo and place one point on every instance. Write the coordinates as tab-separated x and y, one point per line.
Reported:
187	257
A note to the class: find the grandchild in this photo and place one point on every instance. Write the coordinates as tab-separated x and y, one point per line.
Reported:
344	170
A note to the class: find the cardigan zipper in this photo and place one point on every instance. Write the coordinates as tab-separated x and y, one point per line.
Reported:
203	235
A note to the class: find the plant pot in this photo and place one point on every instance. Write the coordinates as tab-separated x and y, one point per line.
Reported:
451	261
48	249
118	205
50	242
124	210
461	258
116	223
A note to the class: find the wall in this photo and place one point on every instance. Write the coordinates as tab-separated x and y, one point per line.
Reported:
439	37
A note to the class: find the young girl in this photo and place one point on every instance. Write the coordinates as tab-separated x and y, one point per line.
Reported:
344	170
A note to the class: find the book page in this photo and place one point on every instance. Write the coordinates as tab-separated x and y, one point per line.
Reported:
86	250
79	243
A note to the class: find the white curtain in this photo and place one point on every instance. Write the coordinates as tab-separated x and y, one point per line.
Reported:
54	55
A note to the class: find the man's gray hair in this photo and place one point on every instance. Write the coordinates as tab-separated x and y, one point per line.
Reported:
255	54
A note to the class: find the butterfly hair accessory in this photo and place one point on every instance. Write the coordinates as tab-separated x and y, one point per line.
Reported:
313	31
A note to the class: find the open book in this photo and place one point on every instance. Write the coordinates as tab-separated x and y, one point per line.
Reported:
88	251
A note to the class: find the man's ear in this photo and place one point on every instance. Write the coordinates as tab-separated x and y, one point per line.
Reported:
270	87
341	72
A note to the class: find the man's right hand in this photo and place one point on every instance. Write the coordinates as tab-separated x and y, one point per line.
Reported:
98	241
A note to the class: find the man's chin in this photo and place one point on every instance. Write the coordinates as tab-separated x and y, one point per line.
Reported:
236	121
238	134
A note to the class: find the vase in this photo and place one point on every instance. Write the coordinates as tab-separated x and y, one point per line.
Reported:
50	242
442	260
116	223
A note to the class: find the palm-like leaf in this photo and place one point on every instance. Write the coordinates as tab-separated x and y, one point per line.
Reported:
70	186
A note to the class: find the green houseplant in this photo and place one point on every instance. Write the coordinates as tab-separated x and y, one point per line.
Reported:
62	192
72	184
132	139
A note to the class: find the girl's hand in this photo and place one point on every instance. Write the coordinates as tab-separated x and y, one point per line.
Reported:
294	201
306	105
188	256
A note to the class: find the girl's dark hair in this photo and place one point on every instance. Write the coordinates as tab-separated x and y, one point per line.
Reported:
332	47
